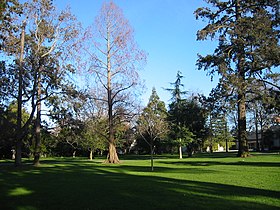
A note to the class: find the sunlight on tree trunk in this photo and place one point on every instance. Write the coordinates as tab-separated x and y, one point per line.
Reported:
112	156
90	154
180	152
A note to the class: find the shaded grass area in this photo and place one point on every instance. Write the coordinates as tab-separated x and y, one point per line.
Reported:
218	181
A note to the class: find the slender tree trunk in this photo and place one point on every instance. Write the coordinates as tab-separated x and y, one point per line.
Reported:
262	139
112	156
152	157
241	104
226	145
211	146
91	154
180	152
190	151
211	135
19	100
18	152
37	149
257	131
226	132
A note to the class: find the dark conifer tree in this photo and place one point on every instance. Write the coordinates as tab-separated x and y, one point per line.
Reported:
247	50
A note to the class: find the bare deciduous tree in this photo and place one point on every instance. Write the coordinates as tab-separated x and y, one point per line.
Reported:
114	60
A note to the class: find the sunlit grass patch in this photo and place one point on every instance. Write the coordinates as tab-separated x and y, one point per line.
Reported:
18	191
218	181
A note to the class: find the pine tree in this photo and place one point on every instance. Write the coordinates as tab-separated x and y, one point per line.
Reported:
180	134
248	48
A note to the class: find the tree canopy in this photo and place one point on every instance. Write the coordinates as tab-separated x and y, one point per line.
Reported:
247	49
46	106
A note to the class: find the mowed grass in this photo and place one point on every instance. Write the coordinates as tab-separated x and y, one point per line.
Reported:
205	181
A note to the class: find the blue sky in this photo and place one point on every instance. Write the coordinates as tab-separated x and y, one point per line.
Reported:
166	30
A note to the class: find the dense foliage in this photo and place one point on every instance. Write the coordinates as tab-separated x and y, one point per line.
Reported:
247	50
44	112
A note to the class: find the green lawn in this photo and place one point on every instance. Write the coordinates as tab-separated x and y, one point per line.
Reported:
217	181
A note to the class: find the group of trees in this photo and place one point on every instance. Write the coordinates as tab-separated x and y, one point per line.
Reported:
36	44
247	51
188	122
182	125
43	48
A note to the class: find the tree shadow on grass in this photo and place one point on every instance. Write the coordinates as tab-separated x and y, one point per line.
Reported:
145	157
87	185
211	163
215	155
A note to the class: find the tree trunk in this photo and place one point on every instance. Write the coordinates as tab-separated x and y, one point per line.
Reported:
180	152
211	135
190	151
226	145
18	152
152	157
242	139
211	147
112	156
226	132
91	154
241	105
262	139
19	100
37	149
257	131
241	109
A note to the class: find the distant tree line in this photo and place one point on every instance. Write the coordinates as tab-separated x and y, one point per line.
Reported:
43	111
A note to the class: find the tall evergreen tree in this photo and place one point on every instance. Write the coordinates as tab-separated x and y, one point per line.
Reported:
248	48
179	132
